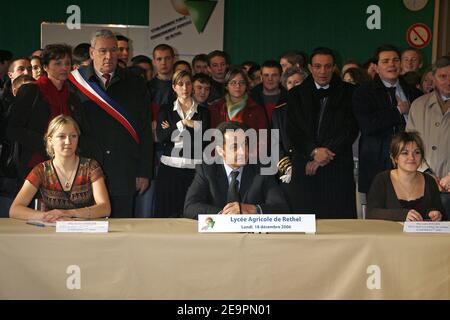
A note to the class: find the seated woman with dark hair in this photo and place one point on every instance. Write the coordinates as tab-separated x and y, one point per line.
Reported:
70	186
403	193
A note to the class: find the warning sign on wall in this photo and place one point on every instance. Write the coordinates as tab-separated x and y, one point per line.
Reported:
418	35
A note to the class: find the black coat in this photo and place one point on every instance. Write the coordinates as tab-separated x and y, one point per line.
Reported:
378	121
30	115
279	121
330	193
208	192
107	141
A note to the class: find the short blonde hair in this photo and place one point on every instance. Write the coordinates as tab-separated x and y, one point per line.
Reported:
180	74
53	126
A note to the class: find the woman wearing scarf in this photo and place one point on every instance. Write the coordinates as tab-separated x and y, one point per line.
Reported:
237	105
37	104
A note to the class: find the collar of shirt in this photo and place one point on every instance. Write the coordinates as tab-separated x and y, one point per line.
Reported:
398	88
179	110
390	85
99	75
229	169
318	86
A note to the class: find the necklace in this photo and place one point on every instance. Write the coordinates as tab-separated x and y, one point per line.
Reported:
67	178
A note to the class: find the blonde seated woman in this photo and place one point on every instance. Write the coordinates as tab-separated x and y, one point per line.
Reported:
71	187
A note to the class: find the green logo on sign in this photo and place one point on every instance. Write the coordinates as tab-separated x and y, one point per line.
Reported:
199	10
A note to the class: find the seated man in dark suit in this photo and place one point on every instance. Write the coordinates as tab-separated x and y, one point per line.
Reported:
234	186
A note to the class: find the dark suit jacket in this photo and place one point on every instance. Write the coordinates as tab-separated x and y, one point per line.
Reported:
208	192
378	121
104	139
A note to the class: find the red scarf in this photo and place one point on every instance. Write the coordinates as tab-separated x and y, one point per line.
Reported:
58	100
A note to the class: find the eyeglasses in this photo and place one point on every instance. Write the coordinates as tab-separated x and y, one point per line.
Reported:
104	51
236	83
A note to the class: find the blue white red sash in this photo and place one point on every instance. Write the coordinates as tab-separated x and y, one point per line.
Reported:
94	92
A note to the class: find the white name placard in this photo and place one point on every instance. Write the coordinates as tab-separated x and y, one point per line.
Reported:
257	223
82	226
426	227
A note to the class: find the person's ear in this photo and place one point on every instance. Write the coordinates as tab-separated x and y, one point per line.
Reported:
220	151
91	53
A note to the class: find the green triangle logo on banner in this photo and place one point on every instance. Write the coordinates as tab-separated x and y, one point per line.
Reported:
200	12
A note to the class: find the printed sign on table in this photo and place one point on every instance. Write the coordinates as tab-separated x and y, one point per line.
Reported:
257	223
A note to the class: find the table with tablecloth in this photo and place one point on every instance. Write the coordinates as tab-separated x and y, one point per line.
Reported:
169	259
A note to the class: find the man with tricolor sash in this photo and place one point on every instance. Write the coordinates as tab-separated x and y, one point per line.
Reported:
114	116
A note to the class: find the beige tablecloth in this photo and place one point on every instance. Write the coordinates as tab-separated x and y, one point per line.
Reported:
168	259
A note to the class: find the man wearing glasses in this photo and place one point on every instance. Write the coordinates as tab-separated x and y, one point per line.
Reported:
321	128
114	116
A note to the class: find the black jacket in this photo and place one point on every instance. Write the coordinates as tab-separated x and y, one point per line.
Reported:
30	115
330	193
164	135
6	96
208	192
378	121
104	139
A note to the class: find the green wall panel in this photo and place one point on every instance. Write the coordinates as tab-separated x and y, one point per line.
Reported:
20	20
261	30
254	29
